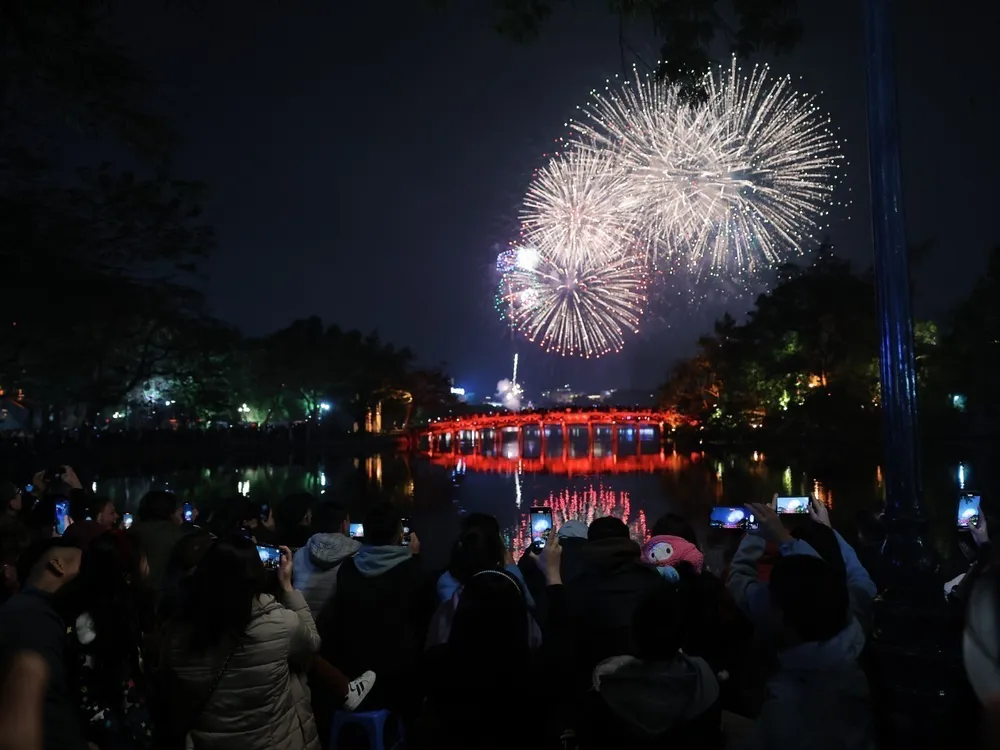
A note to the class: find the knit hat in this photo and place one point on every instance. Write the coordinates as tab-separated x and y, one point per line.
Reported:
573	530
663	551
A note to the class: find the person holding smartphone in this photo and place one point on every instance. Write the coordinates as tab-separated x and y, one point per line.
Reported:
752	596
375	620
239	653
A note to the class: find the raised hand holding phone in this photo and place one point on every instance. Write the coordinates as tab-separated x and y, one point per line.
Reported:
771	527
978	529
552	557
285	569
818	512
414	544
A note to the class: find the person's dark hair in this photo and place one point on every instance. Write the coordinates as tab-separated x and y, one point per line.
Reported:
658	624
671	524
476	550
329	516
480	521
220	592
822	539
184	558
109	593
811	596
292	510
382	525
489	631
607	527
226	518
188	552
58	489
158	505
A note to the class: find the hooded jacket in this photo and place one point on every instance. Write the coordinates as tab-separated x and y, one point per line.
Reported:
374	620
677	699
315	567
818	700
603	599
262	701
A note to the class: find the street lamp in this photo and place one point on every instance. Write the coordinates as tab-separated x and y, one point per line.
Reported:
912	632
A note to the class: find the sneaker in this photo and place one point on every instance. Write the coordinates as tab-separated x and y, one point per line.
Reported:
358	689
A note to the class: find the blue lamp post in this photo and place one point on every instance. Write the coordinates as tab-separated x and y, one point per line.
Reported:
912	635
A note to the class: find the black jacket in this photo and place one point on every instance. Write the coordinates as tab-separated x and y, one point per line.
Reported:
30	622
602	601
376	621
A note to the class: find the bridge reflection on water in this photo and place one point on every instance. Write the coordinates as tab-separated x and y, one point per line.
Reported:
584	447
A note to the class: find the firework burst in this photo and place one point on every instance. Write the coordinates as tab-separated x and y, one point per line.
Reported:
583	308
736	183
574	207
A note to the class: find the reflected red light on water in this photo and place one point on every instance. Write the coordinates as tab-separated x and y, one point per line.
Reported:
595	501
570	466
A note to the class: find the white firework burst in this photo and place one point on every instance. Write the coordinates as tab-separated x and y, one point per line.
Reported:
574	208
736	183
583	308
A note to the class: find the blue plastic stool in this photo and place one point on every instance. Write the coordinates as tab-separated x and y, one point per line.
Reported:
372	722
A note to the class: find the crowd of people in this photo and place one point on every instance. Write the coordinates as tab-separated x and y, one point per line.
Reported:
177	632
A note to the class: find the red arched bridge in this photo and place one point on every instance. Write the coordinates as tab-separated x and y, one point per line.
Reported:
444	435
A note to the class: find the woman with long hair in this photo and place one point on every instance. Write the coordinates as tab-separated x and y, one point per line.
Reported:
234	657
483	675
106	640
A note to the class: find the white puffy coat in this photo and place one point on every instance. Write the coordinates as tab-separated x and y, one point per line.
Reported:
262	701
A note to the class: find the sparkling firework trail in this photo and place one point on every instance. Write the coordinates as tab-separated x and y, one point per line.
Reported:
737	183
584	308
573	210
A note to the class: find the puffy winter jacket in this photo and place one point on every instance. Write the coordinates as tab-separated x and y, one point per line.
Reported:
262	701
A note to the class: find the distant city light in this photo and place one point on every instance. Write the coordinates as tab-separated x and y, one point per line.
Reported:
457	391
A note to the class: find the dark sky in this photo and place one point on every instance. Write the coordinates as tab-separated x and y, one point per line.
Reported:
366	159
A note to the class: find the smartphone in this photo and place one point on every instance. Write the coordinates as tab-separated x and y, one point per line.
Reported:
126	521
28	489
188	512
62	516
968	509
540	521
793	505
357	530
732	518
269	555
265	513
406	532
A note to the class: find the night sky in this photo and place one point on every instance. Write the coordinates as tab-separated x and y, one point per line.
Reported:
366	160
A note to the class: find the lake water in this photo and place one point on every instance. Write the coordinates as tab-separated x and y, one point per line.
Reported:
578	480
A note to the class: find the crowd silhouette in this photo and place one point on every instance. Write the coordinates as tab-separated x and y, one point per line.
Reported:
259	627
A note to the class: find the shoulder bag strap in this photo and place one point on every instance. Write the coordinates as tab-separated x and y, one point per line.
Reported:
215	685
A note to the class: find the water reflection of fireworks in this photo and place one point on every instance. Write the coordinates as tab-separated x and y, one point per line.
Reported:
584	505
